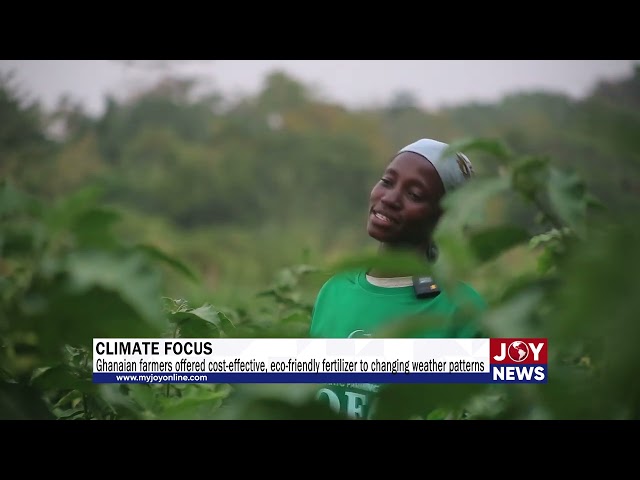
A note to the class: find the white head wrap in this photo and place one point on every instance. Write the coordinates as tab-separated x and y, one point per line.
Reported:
454	169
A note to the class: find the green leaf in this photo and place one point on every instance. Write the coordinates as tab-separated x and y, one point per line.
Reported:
119	402
530	175
146	396
226	324
597	304
196	402
92	228
402	401
14	201
388	261
513	318
567	194
172	261
201	322
487	405
466	209
70	398
21	240
205	313
192	326
491	146
129	276
94	295
21	402
70	413
295	317
438	414
61	377
490	242
467	206
67	210
78	318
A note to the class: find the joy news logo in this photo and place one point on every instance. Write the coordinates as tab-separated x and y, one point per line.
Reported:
518	360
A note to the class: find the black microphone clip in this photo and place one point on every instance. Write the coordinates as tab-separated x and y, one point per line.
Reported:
425	287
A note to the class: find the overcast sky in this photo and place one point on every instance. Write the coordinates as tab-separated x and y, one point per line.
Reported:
353	83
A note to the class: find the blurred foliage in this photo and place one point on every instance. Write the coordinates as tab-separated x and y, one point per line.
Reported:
184	215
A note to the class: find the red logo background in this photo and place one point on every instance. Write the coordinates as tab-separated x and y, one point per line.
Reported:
496	349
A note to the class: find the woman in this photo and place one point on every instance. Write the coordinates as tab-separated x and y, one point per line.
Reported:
404	209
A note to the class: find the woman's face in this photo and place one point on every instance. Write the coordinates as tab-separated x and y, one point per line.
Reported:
404	204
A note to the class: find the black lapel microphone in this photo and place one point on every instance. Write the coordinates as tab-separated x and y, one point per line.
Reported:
425	287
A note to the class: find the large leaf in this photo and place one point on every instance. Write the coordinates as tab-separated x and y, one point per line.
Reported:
20	402
62	377
466	210
568	197
196	402
93	228
77	319
516	316
67	210
491	146
490	242
172	261
193	326
403	401
129	276
598	305
530	176
202	322
14	201
468	205
94	294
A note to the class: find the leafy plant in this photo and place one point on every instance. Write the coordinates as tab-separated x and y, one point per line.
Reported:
67	279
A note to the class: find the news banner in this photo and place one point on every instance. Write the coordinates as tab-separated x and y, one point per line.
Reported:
349	360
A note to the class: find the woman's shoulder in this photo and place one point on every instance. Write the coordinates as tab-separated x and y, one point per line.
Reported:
338	279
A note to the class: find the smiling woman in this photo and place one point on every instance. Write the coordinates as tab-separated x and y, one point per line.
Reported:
404	209
405	203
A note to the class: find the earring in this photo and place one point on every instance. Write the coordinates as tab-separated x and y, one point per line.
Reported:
432	252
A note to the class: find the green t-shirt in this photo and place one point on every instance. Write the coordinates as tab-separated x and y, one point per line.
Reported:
348	306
